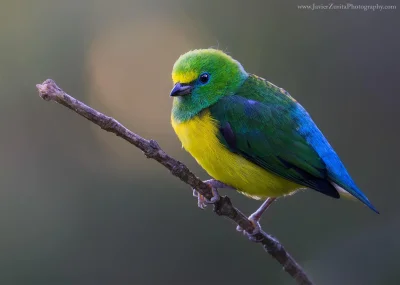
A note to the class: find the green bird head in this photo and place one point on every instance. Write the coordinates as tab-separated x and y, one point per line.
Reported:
201	77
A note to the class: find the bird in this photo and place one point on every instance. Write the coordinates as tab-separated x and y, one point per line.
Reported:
251	135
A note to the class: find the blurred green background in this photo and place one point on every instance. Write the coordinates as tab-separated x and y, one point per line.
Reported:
81	206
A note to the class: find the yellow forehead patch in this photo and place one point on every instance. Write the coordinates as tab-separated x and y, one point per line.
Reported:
184	77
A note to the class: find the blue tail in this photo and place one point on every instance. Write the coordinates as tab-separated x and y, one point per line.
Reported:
336	171
353	190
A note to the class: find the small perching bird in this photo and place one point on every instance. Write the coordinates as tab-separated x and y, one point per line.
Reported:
251	135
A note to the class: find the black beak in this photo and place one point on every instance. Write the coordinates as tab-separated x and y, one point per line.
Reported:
181	90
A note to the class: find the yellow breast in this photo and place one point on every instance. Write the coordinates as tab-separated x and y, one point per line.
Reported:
199	137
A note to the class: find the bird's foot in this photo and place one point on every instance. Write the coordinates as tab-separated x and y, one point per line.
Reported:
255	220
202	201
257	229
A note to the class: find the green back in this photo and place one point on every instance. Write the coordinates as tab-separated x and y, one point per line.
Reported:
257	122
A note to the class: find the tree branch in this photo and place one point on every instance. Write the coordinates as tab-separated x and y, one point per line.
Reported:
49	91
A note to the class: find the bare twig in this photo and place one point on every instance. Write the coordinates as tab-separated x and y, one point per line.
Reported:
49	91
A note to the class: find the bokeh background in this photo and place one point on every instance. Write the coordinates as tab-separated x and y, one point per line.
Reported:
81	206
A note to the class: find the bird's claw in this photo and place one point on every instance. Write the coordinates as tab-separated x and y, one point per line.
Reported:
202	201
255	220
257	229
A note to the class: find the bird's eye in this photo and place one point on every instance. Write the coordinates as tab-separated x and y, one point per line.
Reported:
204	77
